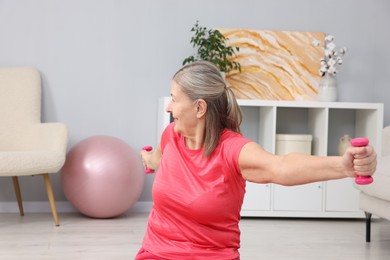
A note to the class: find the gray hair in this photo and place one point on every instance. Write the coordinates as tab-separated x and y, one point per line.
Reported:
203	80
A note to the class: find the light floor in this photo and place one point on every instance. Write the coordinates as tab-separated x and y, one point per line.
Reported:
35	237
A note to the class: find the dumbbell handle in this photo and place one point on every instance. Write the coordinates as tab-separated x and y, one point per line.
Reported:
148	170
359	142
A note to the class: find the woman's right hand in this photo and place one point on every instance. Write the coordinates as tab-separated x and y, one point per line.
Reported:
151	159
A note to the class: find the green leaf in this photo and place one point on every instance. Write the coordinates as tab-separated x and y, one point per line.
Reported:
210	45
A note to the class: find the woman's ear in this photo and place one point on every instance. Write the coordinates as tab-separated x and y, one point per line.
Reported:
201	108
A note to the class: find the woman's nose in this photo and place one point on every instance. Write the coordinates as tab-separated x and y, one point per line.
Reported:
168	108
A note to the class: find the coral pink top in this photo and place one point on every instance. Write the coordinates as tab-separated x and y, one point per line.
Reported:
197	200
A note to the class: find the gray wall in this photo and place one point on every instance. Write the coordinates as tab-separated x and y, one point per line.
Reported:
105	63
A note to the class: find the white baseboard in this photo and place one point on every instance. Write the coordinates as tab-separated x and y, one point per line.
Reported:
62	207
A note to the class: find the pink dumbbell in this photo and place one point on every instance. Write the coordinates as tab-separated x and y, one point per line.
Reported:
359	142
148	170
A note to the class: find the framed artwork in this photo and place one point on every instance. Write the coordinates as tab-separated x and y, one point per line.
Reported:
275	65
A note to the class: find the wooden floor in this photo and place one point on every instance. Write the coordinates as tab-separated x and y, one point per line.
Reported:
35	237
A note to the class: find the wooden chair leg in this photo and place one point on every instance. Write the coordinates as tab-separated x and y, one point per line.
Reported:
18	194
52	201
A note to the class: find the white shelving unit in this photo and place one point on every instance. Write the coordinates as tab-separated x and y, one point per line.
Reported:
327	122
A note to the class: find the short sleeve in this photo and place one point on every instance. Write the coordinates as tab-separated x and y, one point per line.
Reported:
166	135
233	143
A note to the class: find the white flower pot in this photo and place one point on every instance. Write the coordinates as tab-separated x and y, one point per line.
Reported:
327	90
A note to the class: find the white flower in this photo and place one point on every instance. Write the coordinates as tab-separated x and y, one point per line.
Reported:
316	43
323	69
331	46
342	51
329	38
332	71
328	53
331	62
332	57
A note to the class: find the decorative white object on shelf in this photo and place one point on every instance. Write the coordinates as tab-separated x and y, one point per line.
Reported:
288	143
344	144
332	59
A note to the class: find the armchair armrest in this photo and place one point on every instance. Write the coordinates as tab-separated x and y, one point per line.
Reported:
39	136
380	187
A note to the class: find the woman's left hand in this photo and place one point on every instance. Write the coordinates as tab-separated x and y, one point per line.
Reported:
359	161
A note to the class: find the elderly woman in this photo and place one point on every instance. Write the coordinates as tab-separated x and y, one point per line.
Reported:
203	163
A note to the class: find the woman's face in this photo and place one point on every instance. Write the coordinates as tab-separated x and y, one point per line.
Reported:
183	111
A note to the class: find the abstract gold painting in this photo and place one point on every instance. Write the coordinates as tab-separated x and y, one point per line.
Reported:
275	65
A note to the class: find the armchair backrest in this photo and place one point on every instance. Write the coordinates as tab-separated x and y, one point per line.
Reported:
20	105
20	97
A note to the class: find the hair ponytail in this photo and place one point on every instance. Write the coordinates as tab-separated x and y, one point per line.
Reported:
233	110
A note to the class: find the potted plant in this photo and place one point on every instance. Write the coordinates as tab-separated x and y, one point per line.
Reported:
210	45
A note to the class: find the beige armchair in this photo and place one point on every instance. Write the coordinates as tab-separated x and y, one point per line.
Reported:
27	146
375	198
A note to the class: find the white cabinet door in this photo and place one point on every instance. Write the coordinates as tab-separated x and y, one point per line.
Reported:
257	197
306	197
340	196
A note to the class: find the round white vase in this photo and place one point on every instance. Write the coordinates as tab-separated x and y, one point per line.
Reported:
327	90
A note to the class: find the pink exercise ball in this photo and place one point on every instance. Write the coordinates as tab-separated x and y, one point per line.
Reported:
102	177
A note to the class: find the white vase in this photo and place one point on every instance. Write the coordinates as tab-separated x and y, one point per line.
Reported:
327	90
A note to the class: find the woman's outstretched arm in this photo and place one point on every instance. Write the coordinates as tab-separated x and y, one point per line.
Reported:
260	166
